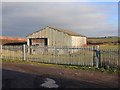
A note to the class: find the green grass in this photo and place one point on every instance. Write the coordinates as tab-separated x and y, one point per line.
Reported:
109	47
87	68
105	43
107	40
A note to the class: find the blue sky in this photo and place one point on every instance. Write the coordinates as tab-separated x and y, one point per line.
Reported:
92	19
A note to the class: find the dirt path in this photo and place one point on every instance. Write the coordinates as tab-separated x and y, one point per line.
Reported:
20	74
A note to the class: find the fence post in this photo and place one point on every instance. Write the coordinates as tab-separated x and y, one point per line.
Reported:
55	54
1	52
97	56
24	52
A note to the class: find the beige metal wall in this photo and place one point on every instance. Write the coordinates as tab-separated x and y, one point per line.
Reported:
55	38
78	41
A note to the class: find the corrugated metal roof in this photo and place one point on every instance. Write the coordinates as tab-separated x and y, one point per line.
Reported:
61	30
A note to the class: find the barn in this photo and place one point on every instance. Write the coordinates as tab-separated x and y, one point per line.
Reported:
50	36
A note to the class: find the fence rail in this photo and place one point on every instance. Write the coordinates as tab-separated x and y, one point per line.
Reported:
90	56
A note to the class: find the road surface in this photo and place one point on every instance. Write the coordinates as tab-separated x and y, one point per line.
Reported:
36	76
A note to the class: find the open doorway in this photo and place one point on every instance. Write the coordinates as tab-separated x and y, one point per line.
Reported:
39	41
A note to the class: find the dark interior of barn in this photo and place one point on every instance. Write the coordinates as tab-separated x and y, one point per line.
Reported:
39	41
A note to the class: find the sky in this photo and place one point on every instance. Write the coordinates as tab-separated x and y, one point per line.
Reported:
92	19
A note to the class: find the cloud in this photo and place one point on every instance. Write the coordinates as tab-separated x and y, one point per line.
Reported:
60	0
84	18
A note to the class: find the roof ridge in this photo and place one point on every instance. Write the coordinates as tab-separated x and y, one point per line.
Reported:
67	31
61	30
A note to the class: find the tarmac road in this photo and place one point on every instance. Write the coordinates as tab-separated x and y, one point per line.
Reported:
29	76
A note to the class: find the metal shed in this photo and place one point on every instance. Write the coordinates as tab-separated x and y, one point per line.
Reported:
50	36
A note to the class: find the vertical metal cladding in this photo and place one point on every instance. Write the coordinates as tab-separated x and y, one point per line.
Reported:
59	38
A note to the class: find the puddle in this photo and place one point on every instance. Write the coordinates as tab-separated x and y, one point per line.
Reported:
49	83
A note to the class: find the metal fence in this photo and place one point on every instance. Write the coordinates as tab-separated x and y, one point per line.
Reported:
109	58
89	56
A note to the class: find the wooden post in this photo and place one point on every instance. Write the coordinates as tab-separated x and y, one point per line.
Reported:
92	55
100	57
24	52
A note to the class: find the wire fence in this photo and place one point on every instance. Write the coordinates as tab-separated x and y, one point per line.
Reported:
89	56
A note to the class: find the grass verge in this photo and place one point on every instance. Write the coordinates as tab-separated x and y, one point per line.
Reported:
88	68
